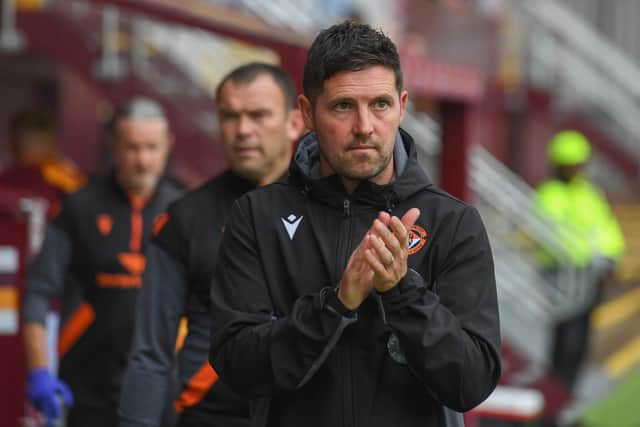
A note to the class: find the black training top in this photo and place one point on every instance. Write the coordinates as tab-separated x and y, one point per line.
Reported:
93	258
282	337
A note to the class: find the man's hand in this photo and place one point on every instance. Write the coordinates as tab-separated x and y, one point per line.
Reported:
389	251
380	261
357	279
46	392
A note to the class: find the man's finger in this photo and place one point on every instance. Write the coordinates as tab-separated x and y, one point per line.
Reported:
381	250
400	227
384	217
375	264
410	217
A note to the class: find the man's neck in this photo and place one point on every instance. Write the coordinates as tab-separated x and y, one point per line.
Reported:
271	178
136	195
277	171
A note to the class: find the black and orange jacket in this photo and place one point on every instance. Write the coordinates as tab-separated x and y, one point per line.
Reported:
92	258
282	337
176	284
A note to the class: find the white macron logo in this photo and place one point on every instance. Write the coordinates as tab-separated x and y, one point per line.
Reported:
291	223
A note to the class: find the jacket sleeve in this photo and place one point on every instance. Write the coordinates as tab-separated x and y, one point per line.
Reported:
572	247
46	274
253	351
451	334
161	302
609	237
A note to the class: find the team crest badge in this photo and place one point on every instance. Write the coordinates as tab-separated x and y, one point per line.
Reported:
104	223
417	238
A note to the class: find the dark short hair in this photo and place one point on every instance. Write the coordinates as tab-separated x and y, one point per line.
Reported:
139	107
249	72
31	120
348	46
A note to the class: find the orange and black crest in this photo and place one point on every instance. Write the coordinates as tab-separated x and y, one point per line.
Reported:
104	222
417	238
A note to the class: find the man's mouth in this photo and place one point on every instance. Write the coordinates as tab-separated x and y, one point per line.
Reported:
247	151
361	147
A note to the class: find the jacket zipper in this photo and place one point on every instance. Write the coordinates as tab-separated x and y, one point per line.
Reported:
346	207
348	419
342	254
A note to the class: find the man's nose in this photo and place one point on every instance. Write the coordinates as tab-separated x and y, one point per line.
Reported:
245	125
143	158
363	125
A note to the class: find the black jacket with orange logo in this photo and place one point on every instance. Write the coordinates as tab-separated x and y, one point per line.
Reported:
177	283
93	258
282	337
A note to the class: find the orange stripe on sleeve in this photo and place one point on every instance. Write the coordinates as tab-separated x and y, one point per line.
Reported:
75	327
198	386
183	330
160	222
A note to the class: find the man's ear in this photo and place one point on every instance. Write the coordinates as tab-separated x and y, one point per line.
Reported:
404	97
296	125
304	104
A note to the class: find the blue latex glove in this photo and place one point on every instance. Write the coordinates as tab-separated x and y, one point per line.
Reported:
47	393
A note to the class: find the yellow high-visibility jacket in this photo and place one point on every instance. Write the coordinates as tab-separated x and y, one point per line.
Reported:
582	218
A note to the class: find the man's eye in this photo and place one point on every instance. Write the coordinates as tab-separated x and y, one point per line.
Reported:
257	115
341	106
381	104
227	117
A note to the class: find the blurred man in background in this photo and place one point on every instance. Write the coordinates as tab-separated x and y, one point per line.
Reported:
582	218
38	167
258	127
92	258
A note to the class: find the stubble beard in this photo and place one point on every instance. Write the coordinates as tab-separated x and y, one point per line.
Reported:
346	170
142	182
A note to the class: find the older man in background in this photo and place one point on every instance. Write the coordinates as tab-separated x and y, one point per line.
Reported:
92	259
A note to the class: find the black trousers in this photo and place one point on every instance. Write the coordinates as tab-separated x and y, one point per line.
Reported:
83	416
571	340
570	347
107	415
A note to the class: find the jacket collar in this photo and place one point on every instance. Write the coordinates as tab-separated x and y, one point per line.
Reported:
160	192
237	183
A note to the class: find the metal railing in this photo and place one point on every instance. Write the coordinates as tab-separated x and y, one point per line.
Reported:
585	72
301	16
514	219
